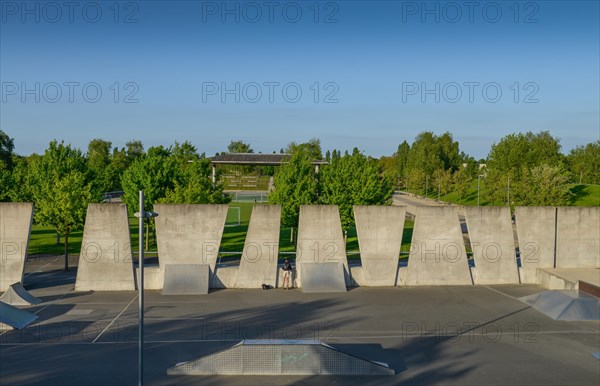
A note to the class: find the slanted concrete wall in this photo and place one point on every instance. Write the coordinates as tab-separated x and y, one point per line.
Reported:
189	234
438	255
320	238
535	231
259	258
578	237
105	262
379	230
493	244
15	228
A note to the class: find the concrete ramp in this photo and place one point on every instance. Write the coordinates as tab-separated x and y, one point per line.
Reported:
379	230
493	244
105	262
189	234
259	258
15	227
320	239
16	295
322	277
535	231
569	305
13	318
578	237
281	357
437	252
186	279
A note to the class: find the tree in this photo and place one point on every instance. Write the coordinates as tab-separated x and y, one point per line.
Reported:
135	150
430	153
295	185
469	164
402	155
239	147
6	182
335	154
584	163
415	180
7	147
543	185
192	179
389	165
23	181
62	188
513	158
312	148
524	150
153	173
354	180
184	152
443	181
448	152
462	182
99	160
99	154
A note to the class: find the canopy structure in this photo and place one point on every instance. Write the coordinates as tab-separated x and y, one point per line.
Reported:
255	159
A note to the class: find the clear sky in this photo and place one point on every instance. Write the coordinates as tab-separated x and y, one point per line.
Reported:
352	73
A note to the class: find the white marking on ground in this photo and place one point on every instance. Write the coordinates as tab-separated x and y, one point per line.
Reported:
500	292
115	319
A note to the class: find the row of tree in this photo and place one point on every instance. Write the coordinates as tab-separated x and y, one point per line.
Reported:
521	169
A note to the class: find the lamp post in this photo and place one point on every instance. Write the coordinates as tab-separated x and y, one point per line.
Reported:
141	215
478	186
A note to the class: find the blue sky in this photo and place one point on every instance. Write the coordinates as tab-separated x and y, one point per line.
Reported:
370	74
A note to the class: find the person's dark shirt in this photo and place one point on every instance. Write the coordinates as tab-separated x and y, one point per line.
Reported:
287	267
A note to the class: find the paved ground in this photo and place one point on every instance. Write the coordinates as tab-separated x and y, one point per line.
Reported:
476	335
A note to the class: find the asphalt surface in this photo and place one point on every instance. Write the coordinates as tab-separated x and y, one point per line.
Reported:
463	335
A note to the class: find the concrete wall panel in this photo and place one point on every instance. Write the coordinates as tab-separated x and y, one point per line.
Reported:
379	230
105	262
438	255
323	277
189	234
186	279
493	244
320	239
259	258
535	232
15	228
578	237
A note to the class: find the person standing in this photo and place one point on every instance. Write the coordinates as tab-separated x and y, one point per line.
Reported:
287	275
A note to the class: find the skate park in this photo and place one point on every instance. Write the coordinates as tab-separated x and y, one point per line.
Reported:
440	317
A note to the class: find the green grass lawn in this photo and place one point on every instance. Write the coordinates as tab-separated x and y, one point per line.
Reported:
43	239
586	195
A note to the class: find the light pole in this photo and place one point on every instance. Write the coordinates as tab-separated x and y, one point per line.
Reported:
478	187
141	215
